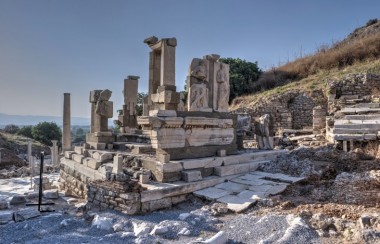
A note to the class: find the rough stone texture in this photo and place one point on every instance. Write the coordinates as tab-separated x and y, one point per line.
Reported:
191	175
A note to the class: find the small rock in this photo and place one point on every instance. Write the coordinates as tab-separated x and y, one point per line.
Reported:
17	199
127	234
64	223
51	194
141	229
184	232
118	227
184	216
3	204
26	213
159	230
102	223
6	216
219	238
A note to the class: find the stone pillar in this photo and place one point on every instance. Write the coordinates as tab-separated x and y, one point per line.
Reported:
29	149
128	119
319	119
162	90
345	146
54	153
66	138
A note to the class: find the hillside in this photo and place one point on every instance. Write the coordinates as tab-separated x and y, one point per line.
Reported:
359	52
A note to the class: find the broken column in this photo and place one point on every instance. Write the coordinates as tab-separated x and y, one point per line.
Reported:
101	111
128	120
54	153
162	90
66	138
264	132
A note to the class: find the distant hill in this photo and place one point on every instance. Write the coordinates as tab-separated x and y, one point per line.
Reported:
6	119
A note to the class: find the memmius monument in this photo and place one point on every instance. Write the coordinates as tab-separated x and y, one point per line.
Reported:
181	147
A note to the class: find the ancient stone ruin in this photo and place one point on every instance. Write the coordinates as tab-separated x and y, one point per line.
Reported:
182	147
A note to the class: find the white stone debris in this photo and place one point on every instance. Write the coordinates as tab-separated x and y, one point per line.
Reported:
159	230
184	216
102	223
141	229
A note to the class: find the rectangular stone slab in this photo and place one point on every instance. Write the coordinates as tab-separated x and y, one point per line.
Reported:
235	203
232	187
211	193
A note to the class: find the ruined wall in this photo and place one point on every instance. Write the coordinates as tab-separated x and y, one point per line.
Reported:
301	108
355	84
290	110
73	182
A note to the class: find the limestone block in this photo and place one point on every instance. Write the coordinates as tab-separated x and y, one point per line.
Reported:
191	175
168	138
17	199
163	113
93	164
209	136
94	96
221	153
105	109
78	158
203	121
144	179
68	154
156	205
117	164
51	194
179	199
6	216
78	150
105	157
163	157
26	213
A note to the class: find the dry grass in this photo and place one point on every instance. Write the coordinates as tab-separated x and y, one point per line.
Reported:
313	82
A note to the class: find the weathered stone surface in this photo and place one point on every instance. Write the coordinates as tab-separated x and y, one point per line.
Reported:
231	187
252	195
168	138
78	158
93	164
209	136
51	194
236	203
156	205
68	154
3	204
117	164
17	199
163	113
78	150
219	238
159	230
191	175
6	216
211	193
26	213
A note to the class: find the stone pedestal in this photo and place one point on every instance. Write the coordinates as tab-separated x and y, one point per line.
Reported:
127	119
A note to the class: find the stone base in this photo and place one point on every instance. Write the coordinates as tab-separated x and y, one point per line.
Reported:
100	137
199	152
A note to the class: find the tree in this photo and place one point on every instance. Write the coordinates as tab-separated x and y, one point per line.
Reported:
242	75
140	102
45	132
26	131
11	129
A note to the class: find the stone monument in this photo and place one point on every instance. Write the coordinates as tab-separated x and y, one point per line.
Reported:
101	111
208	85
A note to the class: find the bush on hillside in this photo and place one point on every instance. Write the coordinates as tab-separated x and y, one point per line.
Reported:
45	132
11	129
25	131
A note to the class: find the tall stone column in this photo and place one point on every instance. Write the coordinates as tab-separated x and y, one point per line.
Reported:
54	153
66	137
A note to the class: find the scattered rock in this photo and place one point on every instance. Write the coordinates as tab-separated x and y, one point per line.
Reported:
102	223
141	229
127	234
17	199
184	216
51	194
320	221
219	238
159	230
5	217
26	213
3	204
184	232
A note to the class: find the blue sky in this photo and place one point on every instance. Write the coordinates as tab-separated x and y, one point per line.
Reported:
48	47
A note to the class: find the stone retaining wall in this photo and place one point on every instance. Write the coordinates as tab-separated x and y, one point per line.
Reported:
290	110
73	182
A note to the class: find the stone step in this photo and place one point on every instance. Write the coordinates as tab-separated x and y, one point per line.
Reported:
348	97
367	105
355	137
238	168
354	131
349	111
363	117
